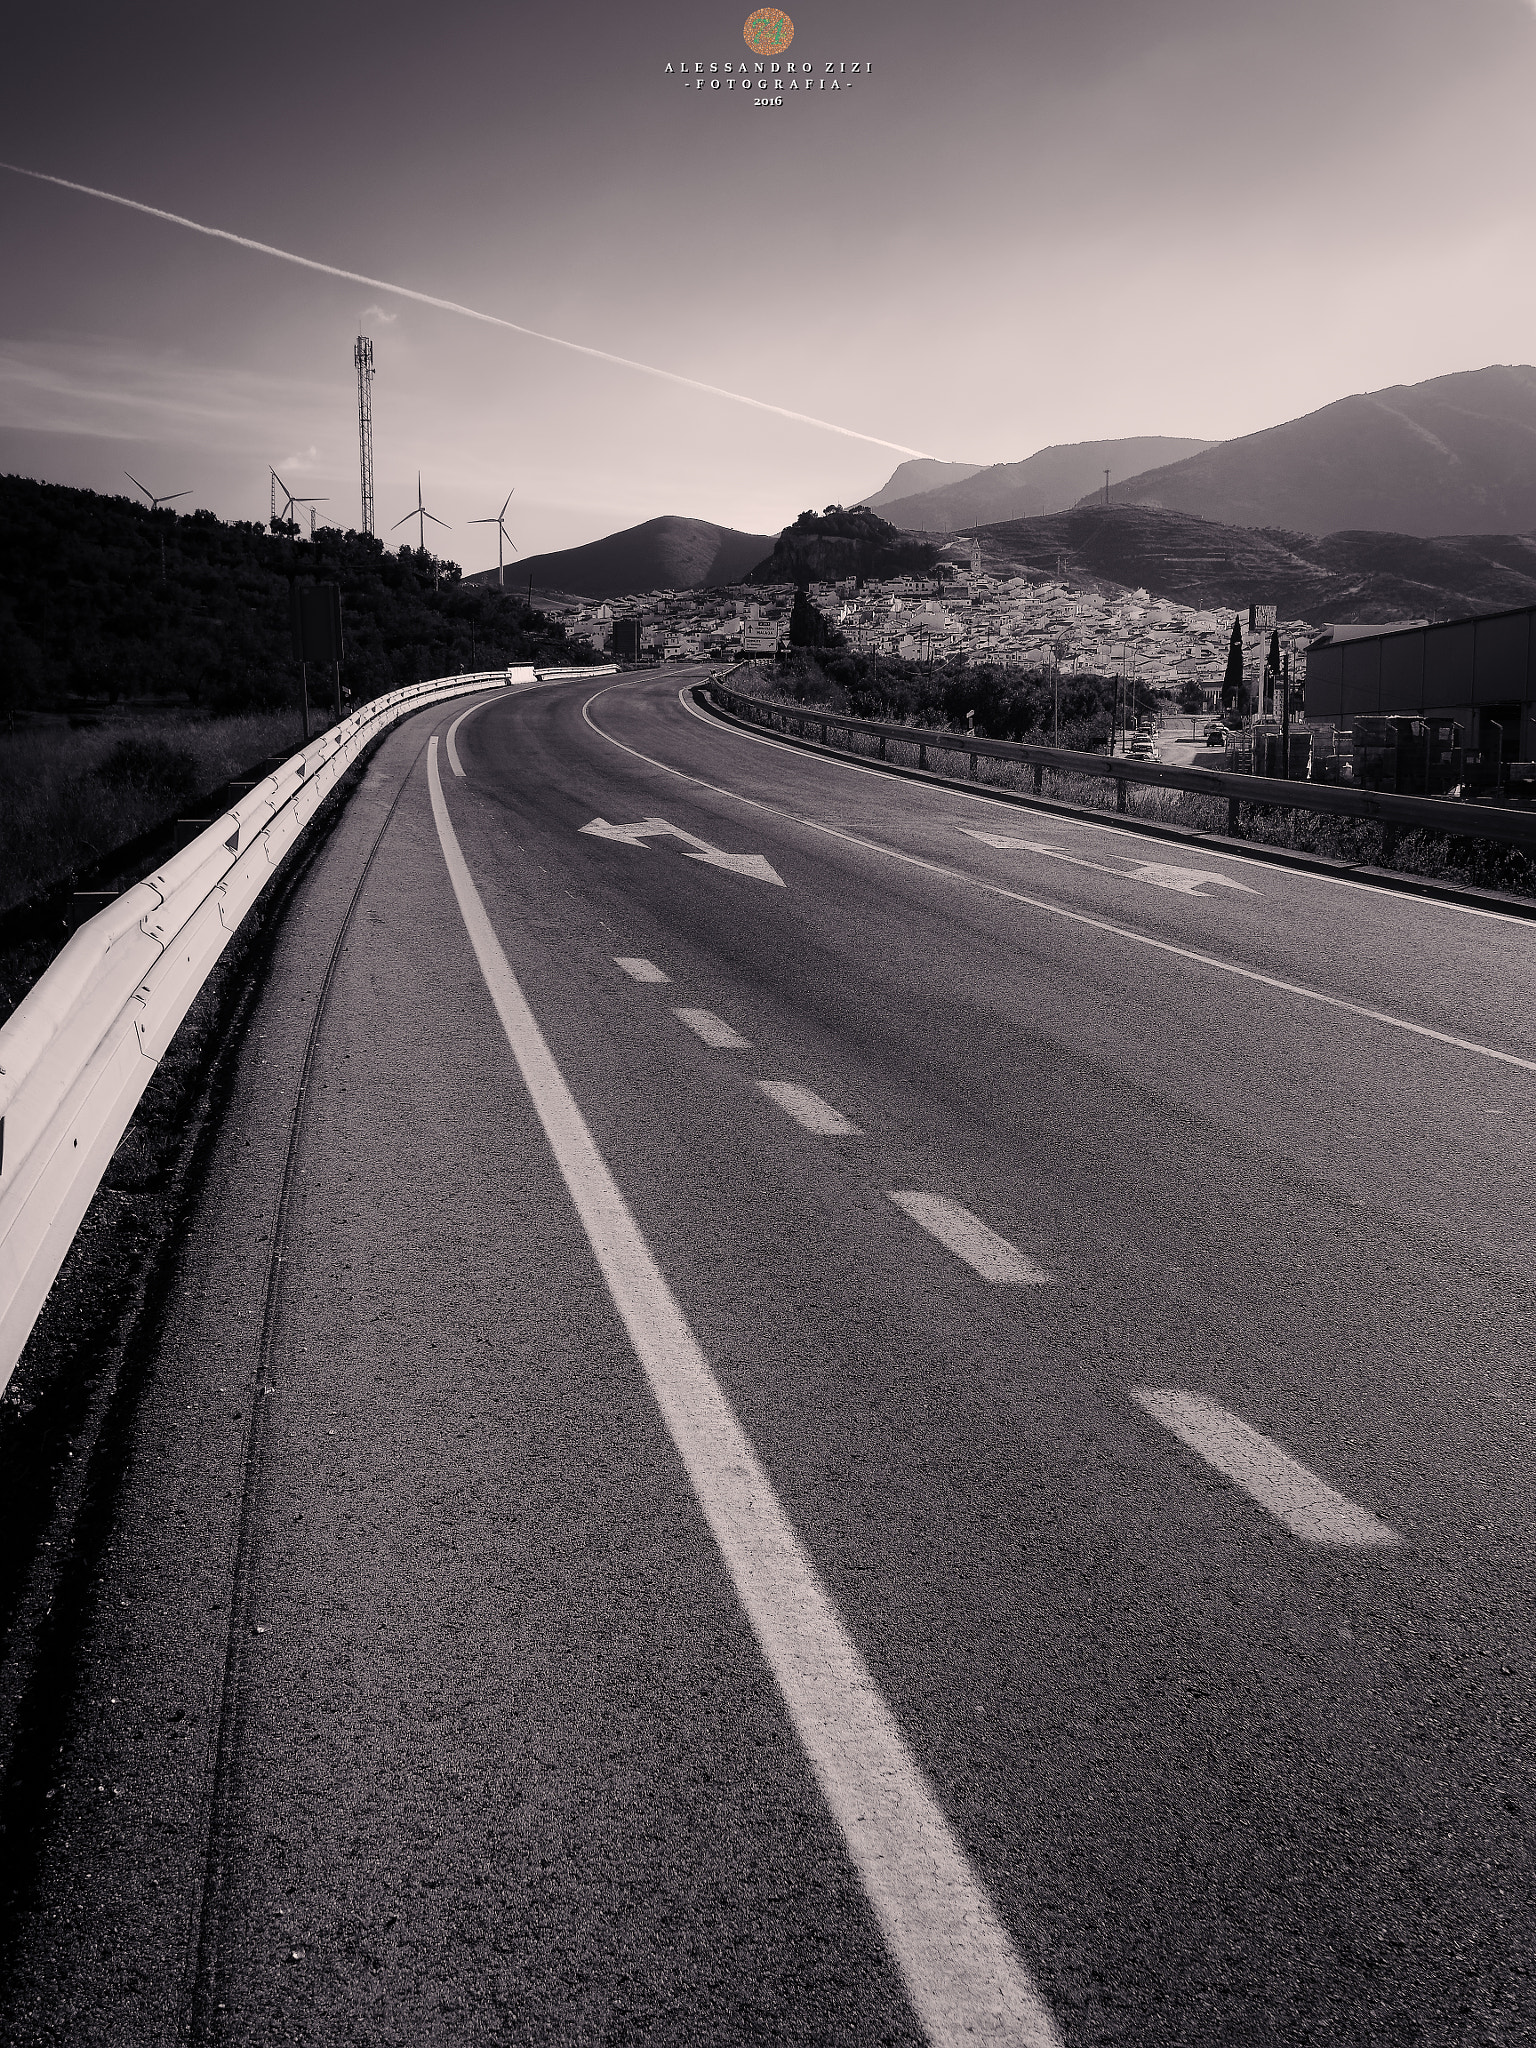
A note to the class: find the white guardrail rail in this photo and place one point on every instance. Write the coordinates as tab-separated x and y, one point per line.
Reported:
78	1051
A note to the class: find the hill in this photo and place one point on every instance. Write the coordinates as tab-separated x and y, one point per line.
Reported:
1050	480
823	546
669	553
921	474
103	598
1456	454
1349	577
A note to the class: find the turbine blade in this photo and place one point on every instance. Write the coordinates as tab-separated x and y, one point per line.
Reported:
137	485
503	512
437	522
400	522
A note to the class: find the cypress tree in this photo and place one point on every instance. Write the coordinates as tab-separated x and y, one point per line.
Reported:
1232	682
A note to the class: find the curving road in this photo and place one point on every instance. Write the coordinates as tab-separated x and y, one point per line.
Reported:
808	1408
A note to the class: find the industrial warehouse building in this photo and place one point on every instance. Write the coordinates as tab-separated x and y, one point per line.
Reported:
1480	672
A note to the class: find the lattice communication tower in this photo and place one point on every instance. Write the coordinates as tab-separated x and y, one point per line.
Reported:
362	355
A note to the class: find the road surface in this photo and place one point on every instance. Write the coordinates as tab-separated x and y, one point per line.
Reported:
808	1408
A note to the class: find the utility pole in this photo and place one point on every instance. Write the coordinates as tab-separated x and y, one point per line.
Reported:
362	356
1106	486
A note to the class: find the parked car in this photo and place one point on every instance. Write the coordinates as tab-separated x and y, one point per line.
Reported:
1215	734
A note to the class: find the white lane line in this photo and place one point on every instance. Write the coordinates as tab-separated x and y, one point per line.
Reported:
1098	924
453	752
713	1030
993	1257
641	970
809	1111
1308	1506
962	1972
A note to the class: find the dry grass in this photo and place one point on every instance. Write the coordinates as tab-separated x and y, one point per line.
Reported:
69	795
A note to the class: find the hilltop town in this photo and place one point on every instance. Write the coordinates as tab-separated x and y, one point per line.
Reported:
1011	622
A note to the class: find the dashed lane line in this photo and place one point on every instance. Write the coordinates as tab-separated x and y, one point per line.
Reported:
961	1970
713	1030
1308	1506
641	970
809	1111
1080	917
993	1257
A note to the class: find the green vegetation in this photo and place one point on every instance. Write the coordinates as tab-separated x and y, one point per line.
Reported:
145	660
104	601
70	793
1007	705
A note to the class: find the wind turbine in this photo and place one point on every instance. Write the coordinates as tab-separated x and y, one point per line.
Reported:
499	521
289	500
154	506
421	515
154	502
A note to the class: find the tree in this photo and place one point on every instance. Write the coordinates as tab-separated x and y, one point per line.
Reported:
1191	696
1232	692
807	627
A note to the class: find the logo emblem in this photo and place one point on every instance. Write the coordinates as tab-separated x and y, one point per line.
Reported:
769	31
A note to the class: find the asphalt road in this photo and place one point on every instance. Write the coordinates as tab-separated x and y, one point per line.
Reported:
598	1566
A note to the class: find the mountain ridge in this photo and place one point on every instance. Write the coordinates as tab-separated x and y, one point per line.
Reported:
670	552
1050	480
1358	577
1451	455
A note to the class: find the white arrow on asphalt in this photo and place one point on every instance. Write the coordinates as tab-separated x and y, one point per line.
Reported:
1186	881
752	864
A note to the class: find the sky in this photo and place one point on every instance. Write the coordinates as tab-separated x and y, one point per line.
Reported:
1033	222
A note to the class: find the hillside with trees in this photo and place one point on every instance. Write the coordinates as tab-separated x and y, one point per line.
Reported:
103	600
823	547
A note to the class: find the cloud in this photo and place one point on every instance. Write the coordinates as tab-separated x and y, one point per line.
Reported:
103	390
580	348
388	319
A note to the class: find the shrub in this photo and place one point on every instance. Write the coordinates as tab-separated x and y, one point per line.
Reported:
158	767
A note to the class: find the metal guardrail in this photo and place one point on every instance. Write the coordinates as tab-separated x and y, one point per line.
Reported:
78	1051
1426	813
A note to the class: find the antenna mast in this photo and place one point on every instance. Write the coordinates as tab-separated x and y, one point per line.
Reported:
362	355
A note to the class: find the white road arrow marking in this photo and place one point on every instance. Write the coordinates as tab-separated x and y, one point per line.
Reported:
752	864
1186	881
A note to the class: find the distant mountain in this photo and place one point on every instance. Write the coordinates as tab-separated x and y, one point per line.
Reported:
669	553
1349	577
922	474
1050	480
1456	454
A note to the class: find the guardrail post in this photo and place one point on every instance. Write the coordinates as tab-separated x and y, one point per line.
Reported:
1039	777
1120	798
882	746
823	732
1234	817
922	754
973	768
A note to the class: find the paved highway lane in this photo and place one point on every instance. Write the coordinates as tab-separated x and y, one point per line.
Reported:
1137	1352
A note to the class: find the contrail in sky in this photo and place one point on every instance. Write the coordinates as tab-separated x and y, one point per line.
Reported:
381	284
